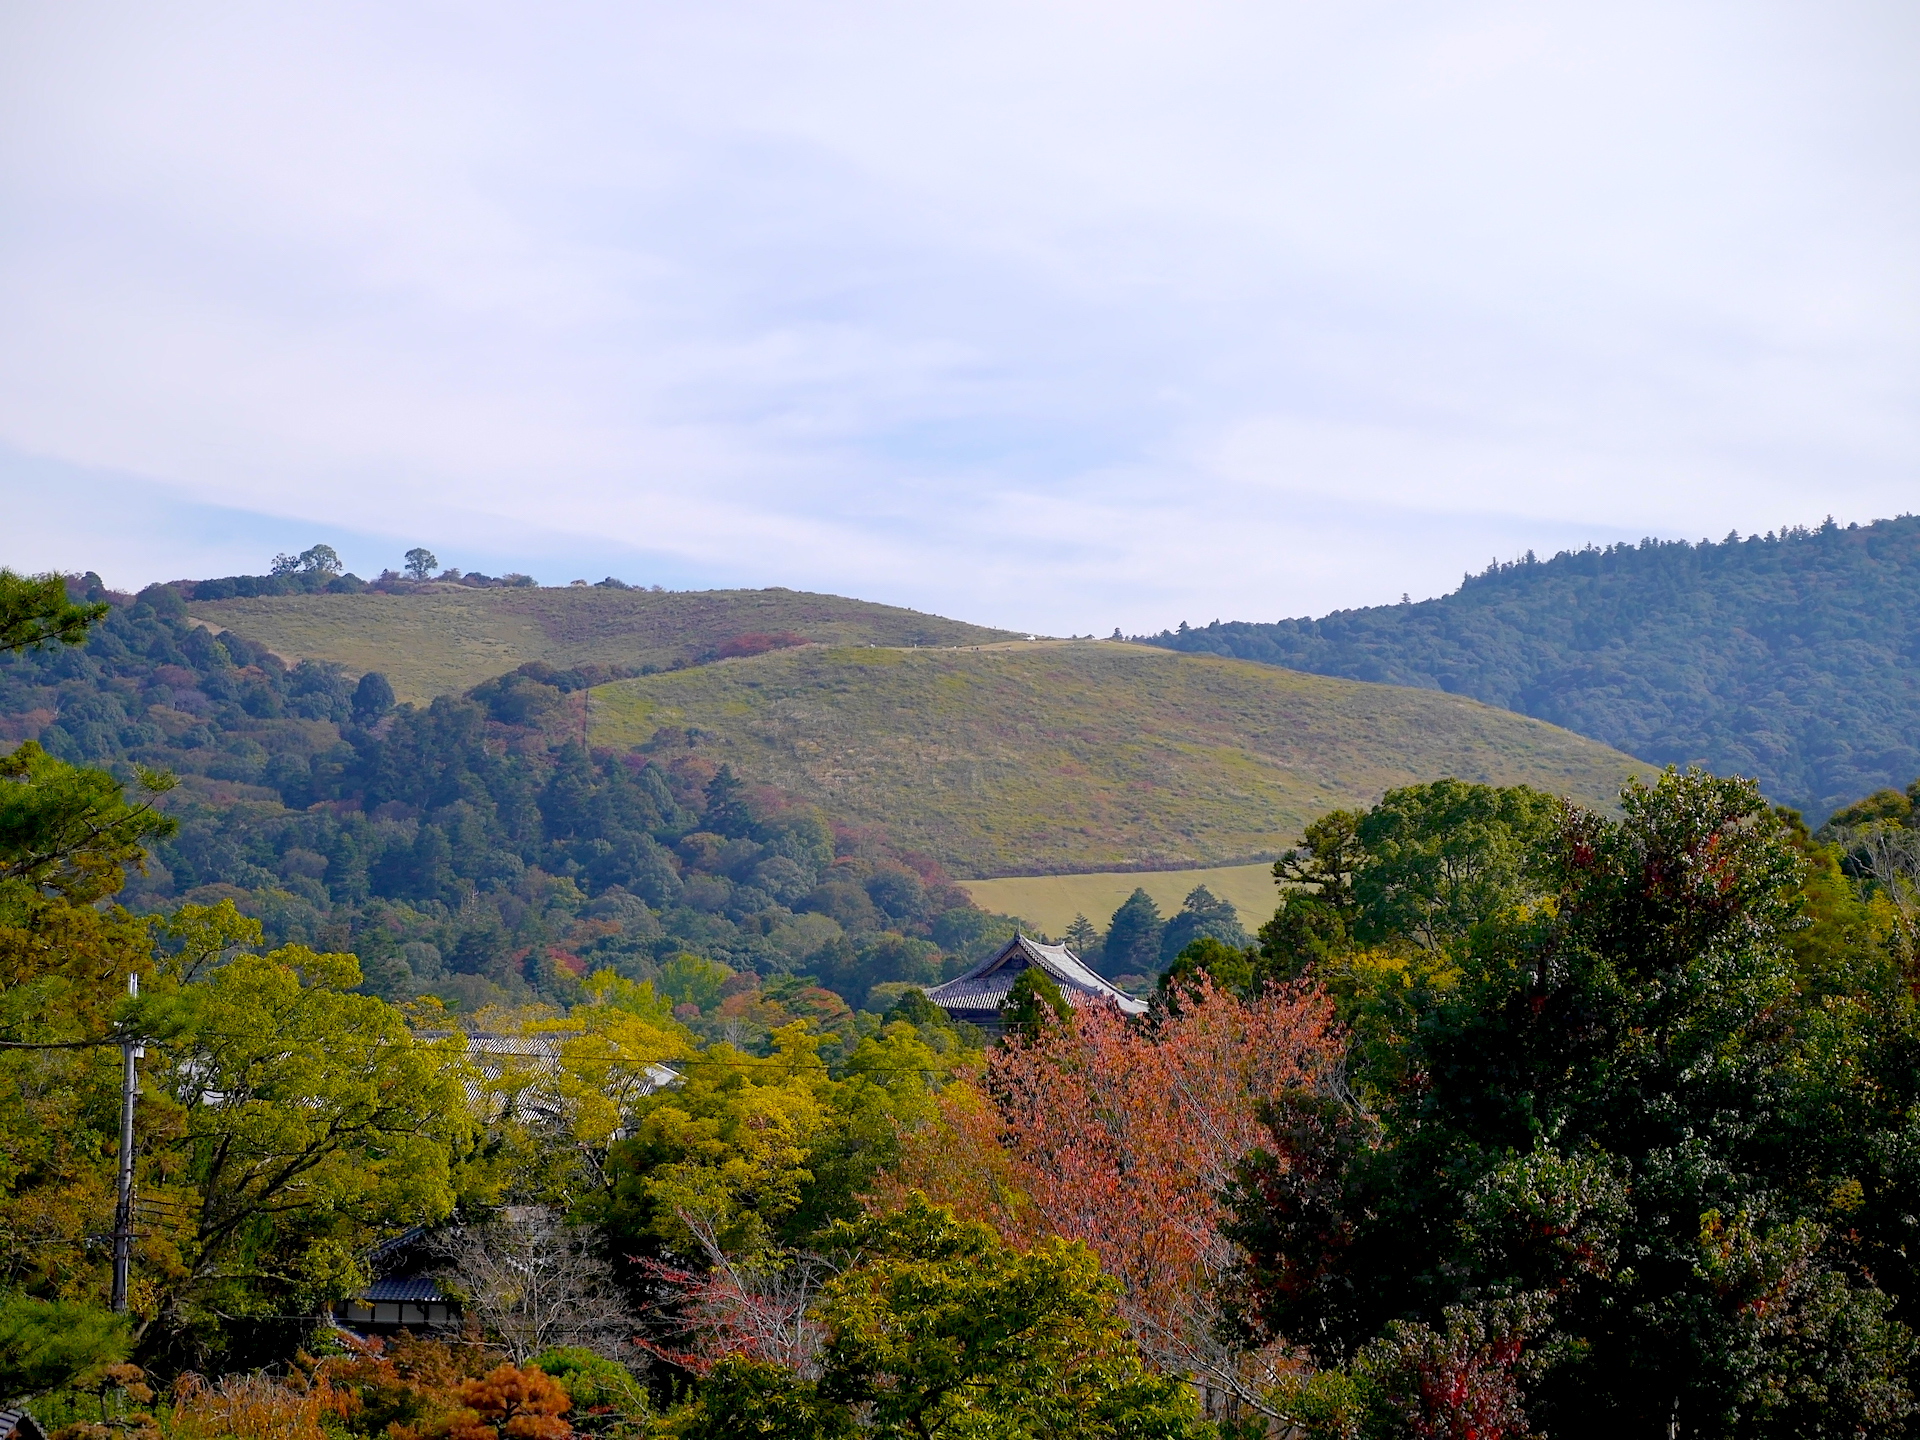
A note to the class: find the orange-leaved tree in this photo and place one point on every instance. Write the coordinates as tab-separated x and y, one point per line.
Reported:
1123	1134
509	1403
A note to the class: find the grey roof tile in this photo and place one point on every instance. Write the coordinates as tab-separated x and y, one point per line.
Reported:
986	986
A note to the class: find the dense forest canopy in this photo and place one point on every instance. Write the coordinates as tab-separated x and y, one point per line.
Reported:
1793	657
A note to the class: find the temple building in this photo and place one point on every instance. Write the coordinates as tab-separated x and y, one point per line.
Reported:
979	996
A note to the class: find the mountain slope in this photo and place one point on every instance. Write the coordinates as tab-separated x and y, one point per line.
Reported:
1078	756
1794	658
447	638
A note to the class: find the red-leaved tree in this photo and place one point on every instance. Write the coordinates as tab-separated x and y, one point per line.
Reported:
757	1309
1124	1134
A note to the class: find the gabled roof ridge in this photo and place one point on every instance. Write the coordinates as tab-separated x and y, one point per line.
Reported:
1065	967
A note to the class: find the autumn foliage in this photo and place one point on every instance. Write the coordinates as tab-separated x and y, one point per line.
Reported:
757	643
1122	1135
508	1403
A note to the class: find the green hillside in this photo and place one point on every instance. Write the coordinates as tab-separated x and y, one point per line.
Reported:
447	638
1063	757
1791	657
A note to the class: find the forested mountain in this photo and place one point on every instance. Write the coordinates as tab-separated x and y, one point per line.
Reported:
1793	657
473	848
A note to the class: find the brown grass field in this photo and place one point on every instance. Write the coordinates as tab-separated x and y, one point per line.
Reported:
1087	756
450	638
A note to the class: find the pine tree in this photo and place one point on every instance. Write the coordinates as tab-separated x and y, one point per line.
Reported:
726	810
1206	914
1083	939
1133	937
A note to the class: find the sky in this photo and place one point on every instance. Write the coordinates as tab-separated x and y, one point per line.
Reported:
1060	316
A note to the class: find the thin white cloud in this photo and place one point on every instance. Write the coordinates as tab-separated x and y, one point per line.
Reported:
1061	315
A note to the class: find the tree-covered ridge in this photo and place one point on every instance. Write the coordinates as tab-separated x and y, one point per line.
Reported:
473	849
1792	657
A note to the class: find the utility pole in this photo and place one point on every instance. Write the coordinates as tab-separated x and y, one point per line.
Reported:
123	1211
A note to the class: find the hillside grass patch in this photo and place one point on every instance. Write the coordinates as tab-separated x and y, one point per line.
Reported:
1090	756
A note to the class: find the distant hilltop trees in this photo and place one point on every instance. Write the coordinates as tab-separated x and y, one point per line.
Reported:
319	570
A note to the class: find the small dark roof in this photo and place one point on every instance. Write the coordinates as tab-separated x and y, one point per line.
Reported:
19	1425
407	1289
984	988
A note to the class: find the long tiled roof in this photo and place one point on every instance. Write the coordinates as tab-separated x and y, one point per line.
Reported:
985	987
407	1289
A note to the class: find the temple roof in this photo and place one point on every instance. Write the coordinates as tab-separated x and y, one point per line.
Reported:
516	1072
985	987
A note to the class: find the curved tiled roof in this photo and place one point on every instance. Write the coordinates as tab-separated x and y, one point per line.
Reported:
984	988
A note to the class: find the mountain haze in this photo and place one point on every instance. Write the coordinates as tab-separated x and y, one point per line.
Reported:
1792	657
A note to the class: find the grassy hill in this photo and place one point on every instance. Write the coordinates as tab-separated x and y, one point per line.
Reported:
450	638
1063	757
1792	657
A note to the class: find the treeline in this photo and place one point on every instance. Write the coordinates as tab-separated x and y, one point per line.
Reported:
1139	942
1793	657
317	570
473	849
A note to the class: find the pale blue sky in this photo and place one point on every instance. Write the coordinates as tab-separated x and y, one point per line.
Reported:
1062	316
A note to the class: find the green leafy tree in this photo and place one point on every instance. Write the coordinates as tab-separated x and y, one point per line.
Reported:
1316	914
608	1398
372	697
1202	914
1442	858
726	811
70	832
46	1344
421	562
1600	1111
1034	1003
321	560
692	980
1380	901
1230	967
66	837
306	1120
724	1157
944	1330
